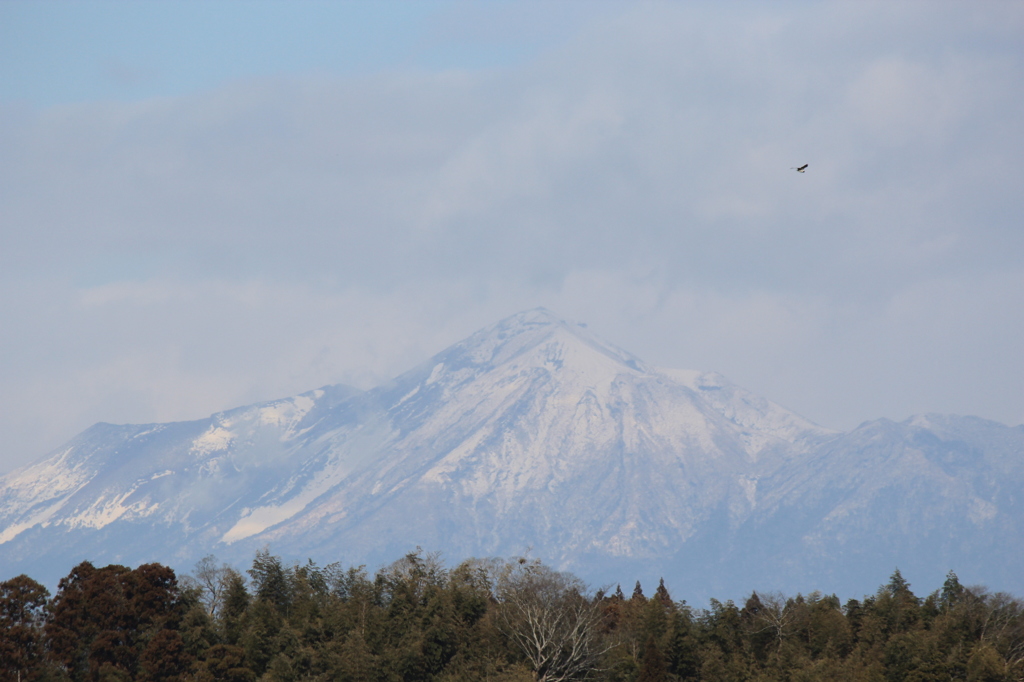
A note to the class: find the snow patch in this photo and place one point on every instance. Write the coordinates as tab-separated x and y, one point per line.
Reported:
286	413
435	374
103	512
408	395
921	421
257	520
42	516
217	438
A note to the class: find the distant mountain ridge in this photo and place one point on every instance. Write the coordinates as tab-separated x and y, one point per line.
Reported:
533	434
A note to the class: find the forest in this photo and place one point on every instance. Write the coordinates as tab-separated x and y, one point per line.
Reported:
484	619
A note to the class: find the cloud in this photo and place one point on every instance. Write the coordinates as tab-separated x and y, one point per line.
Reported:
170	257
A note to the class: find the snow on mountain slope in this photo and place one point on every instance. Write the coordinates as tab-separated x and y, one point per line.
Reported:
182	477
534	433
927	495
530	432
762	421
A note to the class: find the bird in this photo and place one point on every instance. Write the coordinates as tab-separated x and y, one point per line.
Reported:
802	168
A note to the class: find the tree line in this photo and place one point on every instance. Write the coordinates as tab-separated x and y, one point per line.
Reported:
497	620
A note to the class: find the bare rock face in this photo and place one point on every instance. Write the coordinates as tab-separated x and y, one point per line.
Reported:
534	435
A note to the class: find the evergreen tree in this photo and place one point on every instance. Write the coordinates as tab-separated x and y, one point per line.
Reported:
638	592
662	595
490	619
985	665
236	603
226	663
653	667
271	581
101	620
22	601
164	658
897	604
952	591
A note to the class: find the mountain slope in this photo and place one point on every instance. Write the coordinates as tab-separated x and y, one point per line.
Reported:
534	434
930	494
123	493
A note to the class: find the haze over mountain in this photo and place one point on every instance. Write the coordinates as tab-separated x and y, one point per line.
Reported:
534	435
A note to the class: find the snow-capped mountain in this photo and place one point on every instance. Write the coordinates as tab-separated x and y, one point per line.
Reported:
535	435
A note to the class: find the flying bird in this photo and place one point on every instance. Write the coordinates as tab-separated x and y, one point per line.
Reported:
802	168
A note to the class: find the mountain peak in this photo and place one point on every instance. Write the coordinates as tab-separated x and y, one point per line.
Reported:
532	432
532	330
534	322
539	315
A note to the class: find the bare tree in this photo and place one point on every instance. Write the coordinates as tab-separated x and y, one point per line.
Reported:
550	618
211	581
1002	625
770	612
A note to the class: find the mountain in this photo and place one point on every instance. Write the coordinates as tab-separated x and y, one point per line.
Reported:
534	435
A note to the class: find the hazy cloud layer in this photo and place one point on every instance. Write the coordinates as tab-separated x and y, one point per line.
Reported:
170	257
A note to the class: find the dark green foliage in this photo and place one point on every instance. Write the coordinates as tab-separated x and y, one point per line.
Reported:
952	591
416	619
653	667
164	657
236	603
102	620
226	663
271	581
662	594
638	592
22	601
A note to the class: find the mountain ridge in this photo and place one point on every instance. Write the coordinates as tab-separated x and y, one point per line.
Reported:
530	433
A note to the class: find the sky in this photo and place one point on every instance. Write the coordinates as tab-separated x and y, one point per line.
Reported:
208	204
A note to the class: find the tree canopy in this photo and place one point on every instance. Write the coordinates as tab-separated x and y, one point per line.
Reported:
484	619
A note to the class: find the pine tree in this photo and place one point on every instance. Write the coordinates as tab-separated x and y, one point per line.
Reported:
901	609
662	595
952	591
